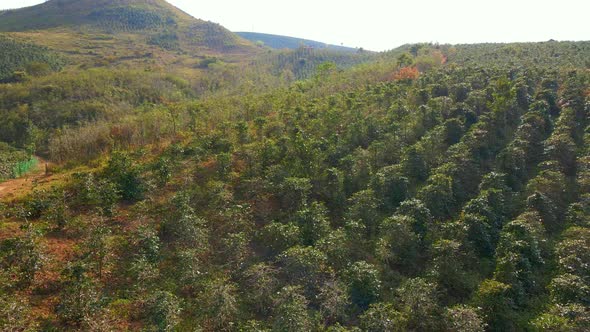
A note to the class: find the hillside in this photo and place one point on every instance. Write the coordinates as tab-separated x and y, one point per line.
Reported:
128	33
129	14
19	56
160	173
418	190
285	42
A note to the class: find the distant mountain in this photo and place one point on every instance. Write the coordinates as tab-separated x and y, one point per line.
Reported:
284	42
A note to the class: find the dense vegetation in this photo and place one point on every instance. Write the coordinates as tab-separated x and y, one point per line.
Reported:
127	14
429	188
21	58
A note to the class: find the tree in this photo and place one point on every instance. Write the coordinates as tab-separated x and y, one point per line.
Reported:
562	148
363	209
97	247
519	255
261	284
569	288
464	318
418	300
294	193
21	258
382	317
278	237
313	222
449	269
390	187
437	195
404	60
334	301
573	252
122	171
79	297
162	311
453	131
291	313
364	284
220	301
305	265
414	165
399	246
420	215
494	299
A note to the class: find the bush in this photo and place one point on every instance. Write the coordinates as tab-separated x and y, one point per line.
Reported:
162	311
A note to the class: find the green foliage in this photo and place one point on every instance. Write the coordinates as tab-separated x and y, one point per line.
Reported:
452	200
419	302
399	246
290	313
20	260
26	57
126	175
79	297
382	317
128	18
162	311
364	284
494	299
313	223
464	319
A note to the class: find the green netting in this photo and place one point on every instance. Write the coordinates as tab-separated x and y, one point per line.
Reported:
23	167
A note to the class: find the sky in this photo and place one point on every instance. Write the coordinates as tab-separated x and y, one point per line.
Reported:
380	25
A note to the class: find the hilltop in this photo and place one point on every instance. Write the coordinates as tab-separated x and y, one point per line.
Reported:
149	33
135	14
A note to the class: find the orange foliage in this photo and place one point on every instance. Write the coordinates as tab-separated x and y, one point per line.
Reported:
406	73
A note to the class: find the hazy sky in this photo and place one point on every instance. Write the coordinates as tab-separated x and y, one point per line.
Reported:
384	24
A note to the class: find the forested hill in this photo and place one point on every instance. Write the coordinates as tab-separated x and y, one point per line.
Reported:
282	42
132	14
144	33
430	188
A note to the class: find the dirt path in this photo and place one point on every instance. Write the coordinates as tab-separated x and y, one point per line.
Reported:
11	188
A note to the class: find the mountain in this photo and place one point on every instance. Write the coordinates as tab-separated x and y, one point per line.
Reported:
123	32
282	42
133	14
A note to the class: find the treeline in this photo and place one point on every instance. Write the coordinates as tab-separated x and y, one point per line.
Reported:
550	54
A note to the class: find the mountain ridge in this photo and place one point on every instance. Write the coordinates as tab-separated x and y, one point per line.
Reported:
281	42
